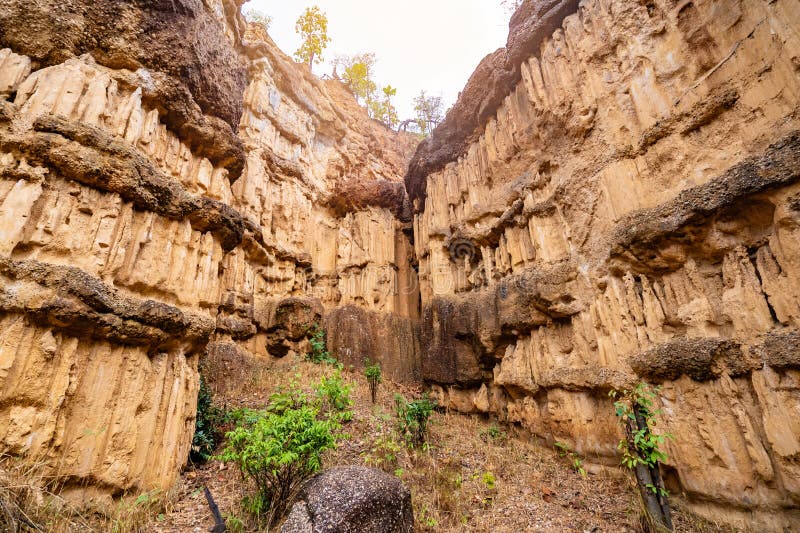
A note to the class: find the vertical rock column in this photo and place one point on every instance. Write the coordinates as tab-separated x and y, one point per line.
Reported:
613	200
115	177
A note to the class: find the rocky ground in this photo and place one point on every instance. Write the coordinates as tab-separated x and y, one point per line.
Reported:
475	475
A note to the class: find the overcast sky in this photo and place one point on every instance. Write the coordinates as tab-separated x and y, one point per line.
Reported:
419	44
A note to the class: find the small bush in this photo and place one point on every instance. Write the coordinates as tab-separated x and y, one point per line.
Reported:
374	378
278	452
494	434
413	417
319	352
287	398
333	397
208	425
383	454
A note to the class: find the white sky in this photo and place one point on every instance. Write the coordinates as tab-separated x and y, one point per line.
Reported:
419	44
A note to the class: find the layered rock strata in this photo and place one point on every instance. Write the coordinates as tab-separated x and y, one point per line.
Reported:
173	187
614	199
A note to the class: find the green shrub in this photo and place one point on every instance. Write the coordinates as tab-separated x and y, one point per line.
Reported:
383	454
287	398
374	378
243	416
494	434
333	397
319	351
207	427
278	452
413	417
489	480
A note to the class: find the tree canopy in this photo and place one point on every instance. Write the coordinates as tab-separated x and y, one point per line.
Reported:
429	110
357	75
255	16
382	108
312	26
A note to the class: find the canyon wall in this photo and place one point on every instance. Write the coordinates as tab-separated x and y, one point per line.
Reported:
172	186
615	199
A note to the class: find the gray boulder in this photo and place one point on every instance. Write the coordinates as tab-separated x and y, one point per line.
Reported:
352	499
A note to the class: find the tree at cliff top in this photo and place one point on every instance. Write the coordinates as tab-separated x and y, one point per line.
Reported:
358	78
312	26
254	16
357	75
429	111
382	109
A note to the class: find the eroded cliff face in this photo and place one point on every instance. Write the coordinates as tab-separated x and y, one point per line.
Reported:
173	186
614	199
334	220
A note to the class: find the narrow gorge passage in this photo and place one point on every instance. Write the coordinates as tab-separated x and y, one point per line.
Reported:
612	200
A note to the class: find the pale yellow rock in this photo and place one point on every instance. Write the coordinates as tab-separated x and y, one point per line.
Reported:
630	120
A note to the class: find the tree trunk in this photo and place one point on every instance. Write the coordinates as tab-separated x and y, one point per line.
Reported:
647	477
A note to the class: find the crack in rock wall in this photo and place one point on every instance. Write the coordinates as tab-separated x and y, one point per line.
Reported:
173	186
626	209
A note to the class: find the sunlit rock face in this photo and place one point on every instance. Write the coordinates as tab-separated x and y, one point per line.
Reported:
173	187
615	199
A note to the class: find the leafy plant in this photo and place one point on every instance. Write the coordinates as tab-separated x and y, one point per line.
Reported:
642	450
284	399
383	454
254	16
489	483
643	446
427	519
234	524
207	428
312	26
493	433
333	397
278	453
319	351
576	462
413	417
489	480
374	378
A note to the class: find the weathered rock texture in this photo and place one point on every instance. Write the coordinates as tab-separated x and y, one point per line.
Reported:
172	185
352	499
614	199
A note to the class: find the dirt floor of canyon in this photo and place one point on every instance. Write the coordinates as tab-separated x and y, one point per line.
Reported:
475	475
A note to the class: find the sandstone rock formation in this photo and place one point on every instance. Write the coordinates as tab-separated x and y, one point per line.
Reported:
614	199
171	185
